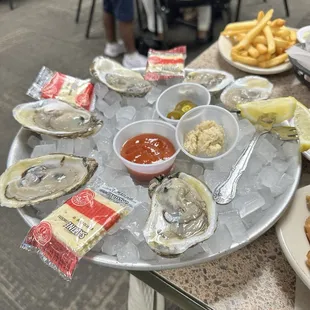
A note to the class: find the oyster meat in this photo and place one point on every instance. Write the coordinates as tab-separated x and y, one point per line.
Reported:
213	80
31	181
122	80
234	95
183	213
56	118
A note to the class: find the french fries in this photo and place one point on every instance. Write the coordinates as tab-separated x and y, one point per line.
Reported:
261	42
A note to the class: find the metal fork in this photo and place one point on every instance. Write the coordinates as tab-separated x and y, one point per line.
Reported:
225	192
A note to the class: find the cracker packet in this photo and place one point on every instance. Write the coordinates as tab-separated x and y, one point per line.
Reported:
53	84
165	65
67	234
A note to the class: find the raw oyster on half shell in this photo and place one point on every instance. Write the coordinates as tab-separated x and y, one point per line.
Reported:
33	180
122	80
183	213
213	80
56	118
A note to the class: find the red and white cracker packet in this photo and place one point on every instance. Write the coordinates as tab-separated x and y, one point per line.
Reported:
68	233
53	84
164	65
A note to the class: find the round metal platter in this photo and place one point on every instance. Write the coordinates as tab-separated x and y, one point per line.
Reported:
20	150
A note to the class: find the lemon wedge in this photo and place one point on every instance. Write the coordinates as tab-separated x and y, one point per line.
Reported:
302	124
283	108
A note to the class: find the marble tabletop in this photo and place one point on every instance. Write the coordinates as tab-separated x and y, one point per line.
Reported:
257	276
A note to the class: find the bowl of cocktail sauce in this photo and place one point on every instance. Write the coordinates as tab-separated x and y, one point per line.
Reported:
147	148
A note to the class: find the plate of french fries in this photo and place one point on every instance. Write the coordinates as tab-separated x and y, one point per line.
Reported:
258	46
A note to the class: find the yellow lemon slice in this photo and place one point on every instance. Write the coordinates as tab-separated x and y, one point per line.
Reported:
302	124
283	108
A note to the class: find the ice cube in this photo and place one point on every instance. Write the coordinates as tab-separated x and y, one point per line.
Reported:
252	218
269	199
292	165
248	184
128	253
82	146
100	90
65	146
115	228
124	181
220	241
33	141
43	149
214	178
127	113
234	224
248	203
246	128
116	163
112	97
269	176
122	122
104	146
265	150
142	194
104	133
113	243
225	164
280	165
112	110
137	103
110	176
196	170
101	105
47	140
145	252
145	113
153	95
136	219
182	165
192	252
254	166
280	187
290	149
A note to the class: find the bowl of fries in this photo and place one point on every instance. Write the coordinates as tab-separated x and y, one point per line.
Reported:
258	46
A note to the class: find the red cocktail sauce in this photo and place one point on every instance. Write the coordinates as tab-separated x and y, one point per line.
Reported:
147	149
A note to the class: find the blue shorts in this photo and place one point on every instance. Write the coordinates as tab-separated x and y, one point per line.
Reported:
122	10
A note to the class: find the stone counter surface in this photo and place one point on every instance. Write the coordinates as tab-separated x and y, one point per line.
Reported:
257	276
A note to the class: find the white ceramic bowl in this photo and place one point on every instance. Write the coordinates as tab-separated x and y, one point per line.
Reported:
302	33
221	116
167	101
145	172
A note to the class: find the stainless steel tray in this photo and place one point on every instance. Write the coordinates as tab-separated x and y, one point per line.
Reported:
19	150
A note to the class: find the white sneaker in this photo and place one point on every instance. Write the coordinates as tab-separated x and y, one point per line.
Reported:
134	60
114	49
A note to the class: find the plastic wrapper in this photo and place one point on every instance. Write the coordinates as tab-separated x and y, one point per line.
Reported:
164	65
53	84
243	90
68	233
301	53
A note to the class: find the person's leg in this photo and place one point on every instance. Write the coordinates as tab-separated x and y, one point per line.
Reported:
124	13
112	48
150	15
204	21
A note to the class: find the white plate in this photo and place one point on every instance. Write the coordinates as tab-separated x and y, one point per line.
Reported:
292	237
225	46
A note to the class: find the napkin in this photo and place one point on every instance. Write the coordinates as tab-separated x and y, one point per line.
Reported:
301	53
302	296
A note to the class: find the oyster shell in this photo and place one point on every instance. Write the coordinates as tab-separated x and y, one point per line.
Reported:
182	214
31	181
122	80
213	80
56	118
